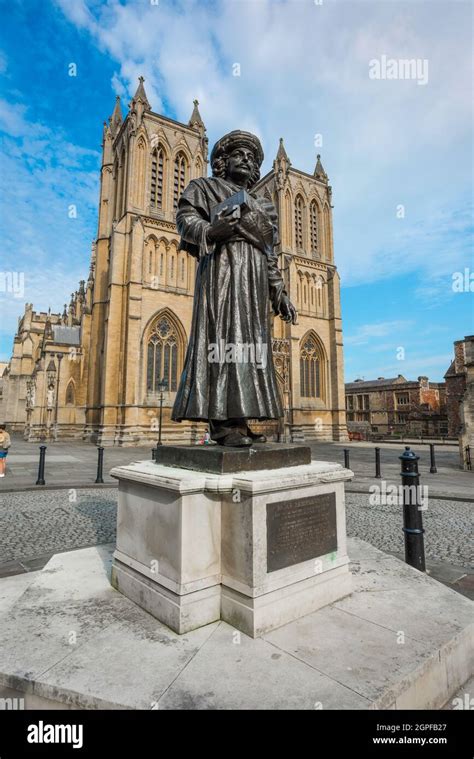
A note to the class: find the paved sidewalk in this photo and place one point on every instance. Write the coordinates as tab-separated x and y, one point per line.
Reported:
74	465
68	465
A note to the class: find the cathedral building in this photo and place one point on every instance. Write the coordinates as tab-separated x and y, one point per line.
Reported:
94	371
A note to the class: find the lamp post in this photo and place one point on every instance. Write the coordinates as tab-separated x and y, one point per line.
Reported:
162	387
59	356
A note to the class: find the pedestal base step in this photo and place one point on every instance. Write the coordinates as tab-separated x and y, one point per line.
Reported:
348	655
220	459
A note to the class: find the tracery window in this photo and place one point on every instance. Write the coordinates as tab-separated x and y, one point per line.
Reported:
162	355
310	369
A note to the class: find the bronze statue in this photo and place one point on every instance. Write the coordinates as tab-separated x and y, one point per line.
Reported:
228	375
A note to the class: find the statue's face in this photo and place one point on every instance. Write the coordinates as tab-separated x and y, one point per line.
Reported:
240	166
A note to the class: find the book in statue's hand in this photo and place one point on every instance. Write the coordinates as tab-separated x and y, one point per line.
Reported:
240	199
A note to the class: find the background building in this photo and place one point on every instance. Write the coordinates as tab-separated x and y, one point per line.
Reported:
92	372
396	406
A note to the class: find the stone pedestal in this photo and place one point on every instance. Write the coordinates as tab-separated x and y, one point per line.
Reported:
256	548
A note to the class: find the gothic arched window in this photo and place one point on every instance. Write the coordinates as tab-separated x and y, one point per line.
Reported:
162	355
140	178
313	226
70	394
156	185
120	186
310	369
288	219
327	233
180	173
299	206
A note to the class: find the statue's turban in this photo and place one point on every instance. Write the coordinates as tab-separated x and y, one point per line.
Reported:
237	139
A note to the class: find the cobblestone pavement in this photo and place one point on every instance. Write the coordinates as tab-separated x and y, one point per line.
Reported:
448	528
36	524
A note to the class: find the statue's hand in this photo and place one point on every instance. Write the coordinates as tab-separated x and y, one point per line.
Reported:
287	310
223	226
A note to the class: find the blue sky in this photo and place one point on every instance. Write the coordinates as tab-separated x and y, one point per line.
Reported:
304	70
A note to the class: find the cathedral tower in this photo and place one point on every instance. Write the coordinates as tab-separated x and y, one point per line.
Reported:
143	284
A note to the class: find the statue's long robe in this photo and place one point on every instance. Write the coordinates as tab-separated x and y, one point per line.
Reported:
234	283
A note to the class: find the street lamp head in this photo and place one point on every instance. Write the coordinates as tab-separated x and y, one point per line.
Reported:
163	385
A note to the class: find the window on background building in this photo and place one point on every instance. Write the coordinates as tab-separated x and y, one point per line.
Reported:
403	399
156	185
366	402
310	369
350	402
162	356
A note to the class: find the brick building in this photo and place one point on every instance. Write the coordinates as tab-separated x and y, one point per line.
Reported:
396	406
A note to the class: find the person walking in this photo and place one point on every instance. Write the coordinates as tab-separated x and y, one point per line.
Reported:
5	444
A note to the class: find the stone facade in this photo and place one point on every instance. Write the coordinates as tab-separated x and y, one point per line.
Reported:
460	398
396	406
93	371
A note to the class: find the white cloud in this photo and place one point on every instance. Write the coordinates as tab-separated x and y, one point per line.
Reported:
304	70
42	176
366	334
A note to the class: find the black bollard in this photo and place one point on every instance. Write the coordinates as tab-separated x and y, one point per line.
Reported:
100	465
467	451
153	450
412	519
40	480
346	458
377	464
433	469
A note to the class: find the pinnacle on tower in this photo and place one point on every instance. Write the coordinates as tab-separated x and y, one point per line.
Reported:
116	118
319	172
140	95
282	154
196	119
